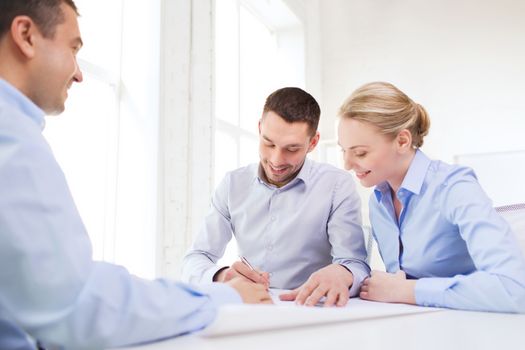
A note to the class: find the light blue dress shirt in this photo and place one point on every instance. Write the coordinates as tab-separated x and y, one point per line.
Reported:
50	287
290	232
462	252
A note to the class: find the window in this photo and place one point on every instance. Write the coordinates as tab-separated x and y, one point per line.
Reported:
259	47
106	141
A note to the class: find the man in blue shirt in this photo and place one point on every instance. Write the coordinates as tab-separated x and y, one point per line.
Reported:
50	288
298	222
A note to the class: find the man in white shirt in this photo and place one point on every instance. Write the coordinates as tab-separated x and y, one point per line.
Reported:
298	222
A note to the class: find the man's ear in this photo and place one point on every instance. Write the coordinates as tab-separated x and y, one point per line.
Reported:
23	32
404	141
314	141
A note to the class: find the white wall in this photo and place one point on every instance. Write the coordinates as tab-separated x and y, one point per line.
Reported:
464	60
185	129
308	12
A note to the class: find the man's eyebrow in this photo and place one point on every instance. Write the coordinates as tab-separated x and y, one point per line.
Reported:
298	145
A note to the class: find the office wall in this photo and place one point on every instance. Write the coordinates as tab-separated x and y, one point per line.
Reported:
308	12
463	60
186	128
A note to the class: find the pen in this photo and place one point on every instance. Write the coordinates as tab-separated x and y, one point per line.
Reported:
246	262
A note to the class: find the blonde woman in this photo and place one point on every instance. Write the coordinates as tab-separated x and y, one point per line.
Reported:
442	242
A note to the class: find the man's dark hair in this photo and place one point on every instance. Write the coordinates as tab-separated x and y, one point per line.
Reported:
46	14
294	105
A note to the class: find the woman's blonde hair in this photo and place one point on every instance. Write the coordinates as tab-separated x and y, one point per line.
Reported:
389	109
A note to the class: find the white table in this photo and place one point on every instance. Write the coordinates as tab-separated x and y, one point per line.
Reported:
444	329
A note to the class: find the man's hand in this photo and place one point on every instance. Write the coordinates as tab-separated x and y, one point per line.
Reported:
251	293
389	287
332	281
239	269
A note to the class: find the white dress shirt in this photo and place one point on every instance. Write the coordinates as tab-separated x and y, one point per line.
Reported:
290	232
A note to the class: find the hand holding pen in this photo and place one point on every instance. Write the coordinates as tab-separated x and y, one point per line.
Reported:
263	277
243	269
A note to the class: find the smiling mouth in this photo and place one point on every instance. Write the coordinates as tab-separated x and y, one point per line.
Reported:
278	171
362	174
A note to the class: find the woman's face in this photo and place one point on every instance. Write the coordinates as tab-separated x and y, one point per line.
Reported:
373	156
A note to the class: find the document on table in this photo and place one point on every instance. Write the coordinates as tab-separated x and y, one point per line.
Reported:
244	318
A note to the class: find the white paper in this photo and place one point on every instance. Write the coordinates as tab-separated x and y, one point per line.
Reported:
243	318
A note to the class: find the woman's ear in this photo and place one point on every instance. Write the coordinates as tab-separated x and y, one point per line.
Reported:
23	31
404	141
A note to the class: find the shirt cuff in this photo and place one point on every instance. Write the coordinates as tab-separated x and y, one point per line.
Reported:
359	276
207	276
431	291
220	293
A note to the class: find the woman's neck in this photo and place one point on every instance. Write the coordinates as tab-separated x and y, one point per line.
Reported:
400	173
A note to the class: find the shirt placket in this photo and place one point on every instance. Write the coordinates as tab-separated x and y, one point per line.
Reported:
388	204
271	228
404	197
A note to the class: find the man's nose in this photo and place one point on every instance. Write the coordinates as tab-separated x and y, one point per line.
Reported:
277	158
78	77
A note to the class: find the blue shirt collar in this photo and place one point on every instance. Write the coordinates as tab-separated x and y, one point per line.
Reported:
414	178
304	173
12	96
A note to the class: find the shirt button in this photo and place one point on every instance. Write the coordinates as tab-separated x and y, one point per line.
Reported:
273	218
270	247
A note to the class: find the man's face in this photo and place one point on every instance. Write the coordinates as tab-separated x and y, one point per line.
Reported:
283	147
55	64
